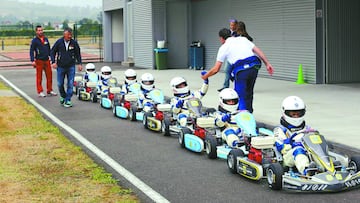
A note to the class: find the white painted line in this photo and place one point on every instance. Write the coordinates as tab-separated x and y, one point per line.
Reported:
152	194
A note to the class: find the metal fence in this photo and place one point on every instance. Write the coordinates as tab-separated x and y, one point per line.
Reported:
15	41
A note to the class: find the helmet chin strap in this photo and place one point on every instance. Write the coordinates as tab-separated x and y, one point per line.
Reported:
291	127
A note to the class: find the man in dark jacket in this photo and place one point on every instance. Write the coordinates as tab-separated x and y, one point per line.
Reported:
67	54
39	57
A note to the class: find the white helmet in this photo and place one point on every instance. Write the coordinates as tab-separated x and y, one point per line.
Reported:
147	81
229	100
130	76
179	86
106	72
90	67
293	105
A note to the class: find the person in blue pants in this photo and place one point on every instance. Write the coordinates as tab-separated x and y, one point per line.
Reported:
245	59
67	54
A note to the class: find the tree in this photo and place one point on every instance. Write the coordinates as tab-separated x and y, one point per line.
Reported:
65	24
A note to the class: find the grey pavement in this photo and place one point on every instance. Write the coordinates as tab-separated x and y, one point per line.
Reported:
333	109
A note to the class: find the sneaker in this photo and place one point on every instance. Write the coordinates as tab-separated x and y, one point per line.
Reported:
62	100
68	104
52	93
41	94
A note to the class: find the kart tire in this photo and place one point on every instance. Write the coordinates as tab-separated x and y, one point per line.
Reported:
354	163
182	133
210	146
232	159
165	126
93	96
145	119
114	111
132	113
274	176
78	95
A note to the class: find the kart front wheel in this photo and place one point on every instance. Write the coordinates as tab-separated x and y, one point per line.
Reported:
165	129
210	146
232	159
93	97
182	133
145	119
132	113
354	164
274	176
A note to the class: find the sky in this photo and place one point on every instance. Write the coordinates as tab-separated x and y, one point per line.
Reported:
72	3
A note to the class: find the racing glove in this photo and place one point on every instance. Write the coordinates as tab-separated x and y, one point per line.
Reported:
179	103
206	81
226	118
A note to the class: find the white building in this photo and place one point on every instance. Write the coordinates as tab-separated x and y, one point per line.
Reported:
322	35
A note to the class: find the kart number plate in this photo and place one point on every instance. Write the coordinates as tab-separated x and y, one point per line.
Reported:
194	103
315	139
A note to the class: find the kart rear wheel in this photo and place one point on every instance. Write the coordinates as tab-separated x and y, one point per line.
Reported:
210	146
145	119
132	113
232	159
274	176
182	133
354	164
165	129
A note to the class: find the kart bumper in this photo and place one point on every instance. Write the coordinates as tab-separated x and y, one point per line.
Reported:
193	143
324	182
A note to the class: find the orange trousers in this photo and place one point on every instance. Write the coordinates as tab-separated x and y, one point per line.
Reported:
41	66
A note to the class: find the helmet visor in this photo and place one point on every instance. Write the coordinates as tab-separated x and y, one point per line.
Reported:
148	82
181	85
106	73
295	113
231	101
131	77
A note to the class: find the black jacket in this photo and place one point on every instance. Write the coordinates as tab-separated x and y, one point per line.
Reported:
65	58
41	50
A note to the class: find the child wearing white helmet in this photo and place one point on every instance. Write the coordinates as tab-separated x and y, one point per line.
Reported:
130	78
181	94
227	109
292	121
147	85
90	69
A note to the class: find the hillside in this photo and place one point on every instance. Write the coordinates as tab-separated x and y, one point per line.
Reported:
12	11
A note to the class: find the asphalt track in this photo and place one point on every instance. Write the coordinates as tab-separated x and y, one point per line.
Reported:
161	169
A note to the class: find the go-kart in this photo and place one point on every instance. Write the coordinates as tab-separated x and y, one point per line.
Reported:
108	93
254	153
200	124
328	171
125	105
154	108
88	90
245	122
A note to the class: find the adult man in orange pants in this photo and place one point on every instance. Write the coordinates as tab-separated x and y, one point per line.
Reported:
41	47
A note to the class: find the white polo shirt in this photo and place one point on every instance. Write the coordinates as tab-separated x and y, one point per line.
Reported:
234	49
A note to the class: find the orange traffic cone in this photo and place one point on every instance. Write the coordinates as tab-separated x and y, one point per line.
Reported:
300	78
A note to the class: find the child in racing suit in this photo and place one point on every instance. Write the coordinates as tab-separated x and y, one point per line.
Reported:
147	85
90	68
227	109
130	78
292	121
104	80
181	95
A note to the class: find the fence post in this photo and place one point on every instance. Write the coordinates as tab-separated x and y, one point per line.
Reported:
2	45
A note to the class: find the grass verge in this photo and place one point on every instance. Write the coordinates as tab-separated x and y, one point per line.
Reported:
38	163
